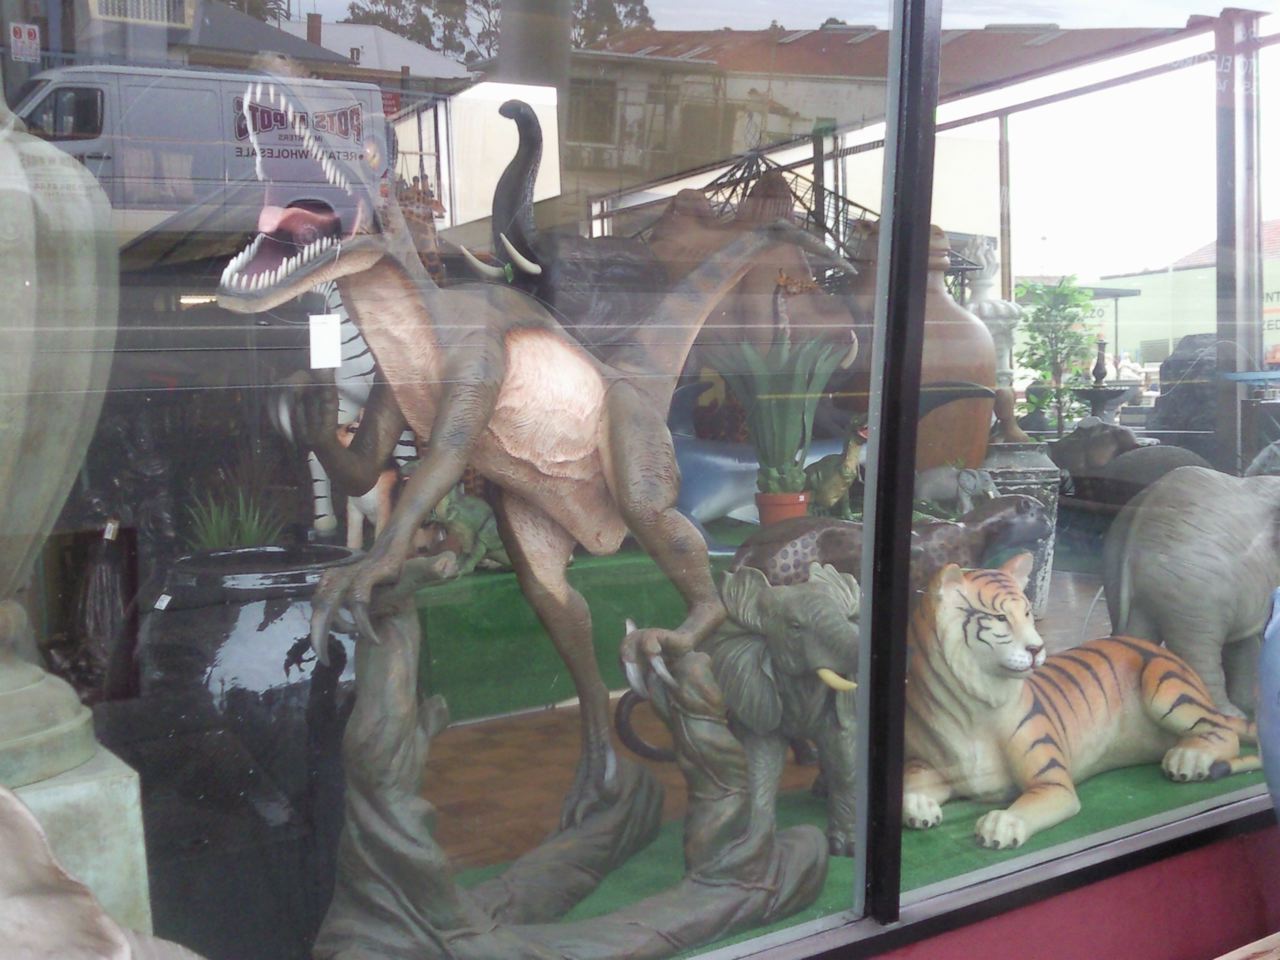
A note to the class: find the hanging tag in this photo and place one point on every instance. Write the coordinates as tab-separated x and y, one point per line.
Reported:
112	530
326	341
162	601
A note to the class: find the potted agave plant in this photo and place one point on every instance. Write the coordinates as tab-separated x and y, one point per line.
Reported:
779	391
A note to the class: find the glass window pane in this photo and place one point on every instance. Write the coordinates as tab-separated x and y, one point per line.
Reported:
474	329
1071	665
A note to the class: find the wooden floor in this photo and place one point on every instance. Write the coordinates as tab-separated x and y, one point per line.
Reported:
498	784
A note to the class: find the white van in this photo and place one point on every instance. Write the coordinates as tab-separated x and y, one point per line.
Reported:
162	141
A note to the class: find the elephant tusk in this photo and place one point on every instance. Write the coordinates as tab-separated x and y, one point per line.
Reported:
484	269
518	258
852	355
835	681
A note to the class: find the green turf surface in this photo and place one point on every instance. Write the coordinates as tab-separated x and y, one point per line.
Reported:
928	856
486	652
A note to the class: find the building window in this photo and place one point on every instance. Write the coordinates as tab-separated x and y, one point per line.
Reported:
593	111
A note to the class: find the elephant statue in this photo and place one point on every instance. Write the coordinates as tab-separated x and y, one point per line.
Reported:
783	664
955	488
1191	562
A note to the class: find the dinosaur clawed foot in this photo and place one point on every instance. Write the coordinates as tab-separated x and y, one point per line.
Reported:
349	588
596	786
651	647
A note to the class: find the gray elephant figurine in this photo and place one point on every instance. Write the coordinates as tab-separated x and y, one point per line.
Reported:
955	488
1191	562
784	663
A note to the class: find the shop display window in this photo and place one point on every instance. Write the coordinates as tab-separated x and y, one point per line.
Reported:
627	478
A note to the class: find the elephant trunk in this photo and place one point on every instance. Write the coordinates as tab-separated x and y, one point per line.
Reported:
513	197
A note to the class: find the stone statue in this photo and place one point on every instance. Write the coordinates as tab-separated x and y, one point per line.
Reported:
1000	316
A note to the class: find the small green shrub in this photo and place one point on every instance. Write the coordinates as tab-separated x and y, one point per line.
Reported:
238	521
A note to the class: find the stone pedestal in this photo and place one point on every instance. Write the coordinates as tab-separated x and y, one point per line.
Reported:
93	817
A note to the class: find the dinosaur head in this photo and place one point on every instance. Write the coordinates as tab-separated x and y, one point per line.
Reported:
324	161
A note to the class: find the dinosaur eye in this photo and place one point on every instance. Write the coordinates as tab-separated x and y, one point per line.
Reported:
794	624
999	617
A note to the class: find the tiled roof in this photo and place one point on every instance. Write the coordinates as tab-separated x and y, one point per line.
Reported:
380	49
1207	256
970	58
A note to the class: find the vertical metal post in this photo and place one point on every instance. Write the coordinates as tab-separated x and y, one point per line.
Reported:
1239	272
534	40
903	260
1006	232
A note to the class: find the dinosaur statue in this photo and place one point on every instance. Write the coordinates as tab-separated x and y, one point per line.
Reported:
829	480
577	448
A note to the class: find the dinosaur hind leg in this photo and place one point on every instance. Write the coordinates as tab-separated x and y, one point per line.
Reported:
540	549
645	482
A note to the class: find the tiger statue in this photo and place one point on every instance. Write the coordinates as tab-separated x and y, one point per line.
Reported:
990	717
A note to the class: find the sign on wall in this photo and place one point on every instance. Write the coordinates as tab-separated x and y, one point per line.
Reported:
24	42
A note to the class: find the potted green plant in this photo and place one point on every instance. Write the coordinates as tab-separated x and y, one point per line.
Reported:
779	391
1055	342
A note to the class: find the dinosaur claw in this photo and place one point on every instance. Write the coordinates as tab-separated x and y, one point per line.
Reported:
635	679
660	668
360	611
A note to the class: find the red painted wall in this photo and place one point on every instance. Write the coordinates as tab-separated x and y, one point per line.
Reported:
1192	906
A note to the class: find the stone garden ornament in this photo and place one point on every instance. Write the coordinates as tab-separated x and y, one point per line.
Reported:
1191	562
58	286
487	378
990	717
784	663
395	895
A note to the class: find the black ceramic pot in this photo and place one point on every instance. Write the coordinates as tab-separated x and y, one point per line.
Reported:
236	734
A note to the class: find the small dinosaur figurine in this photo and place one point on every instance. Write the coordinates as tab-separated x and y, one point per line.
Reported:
470	523
830	479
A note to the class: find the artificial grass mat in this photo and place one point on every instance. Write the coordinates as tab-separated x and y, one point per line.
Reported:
486	652
947	851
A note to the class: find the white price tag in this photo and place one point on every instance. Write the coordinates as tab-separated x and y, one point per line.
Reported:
112	530
326	341
162	601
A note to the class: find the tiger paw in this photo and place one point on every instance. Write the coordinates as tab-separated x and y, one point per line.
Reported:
1187	763
1001	830
920	812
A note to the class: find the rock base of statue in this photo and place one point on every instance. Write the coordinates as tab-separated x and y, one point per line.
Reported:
395	894
92	816
1026	468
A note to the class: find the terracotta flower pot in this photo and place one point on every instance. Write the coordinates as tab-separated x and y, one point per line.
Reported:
781	506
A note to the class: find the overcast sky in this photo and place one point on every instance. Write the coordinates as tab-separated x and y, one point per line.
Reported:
755	14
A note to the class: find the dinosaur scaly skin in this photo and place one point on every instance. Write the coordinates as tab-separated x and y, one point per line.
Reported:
485	376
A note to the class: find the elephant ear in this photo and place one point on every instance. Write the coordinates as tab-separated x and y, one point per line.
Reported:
745	673
843	586
745	594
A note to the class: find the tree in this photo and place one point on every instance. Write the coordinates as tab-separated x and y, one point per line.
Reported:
1056	342
596	20
410	19
263	9
468	29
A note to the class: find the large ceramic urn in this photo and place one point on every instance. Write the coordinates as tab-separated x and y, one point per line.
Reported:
58	294
957	349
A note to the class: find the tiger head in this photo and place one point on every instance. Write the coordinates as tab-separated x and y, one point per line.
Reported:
983	626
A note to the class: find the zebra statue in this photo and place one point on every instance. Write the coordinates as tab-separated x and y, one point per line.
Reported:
354	379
